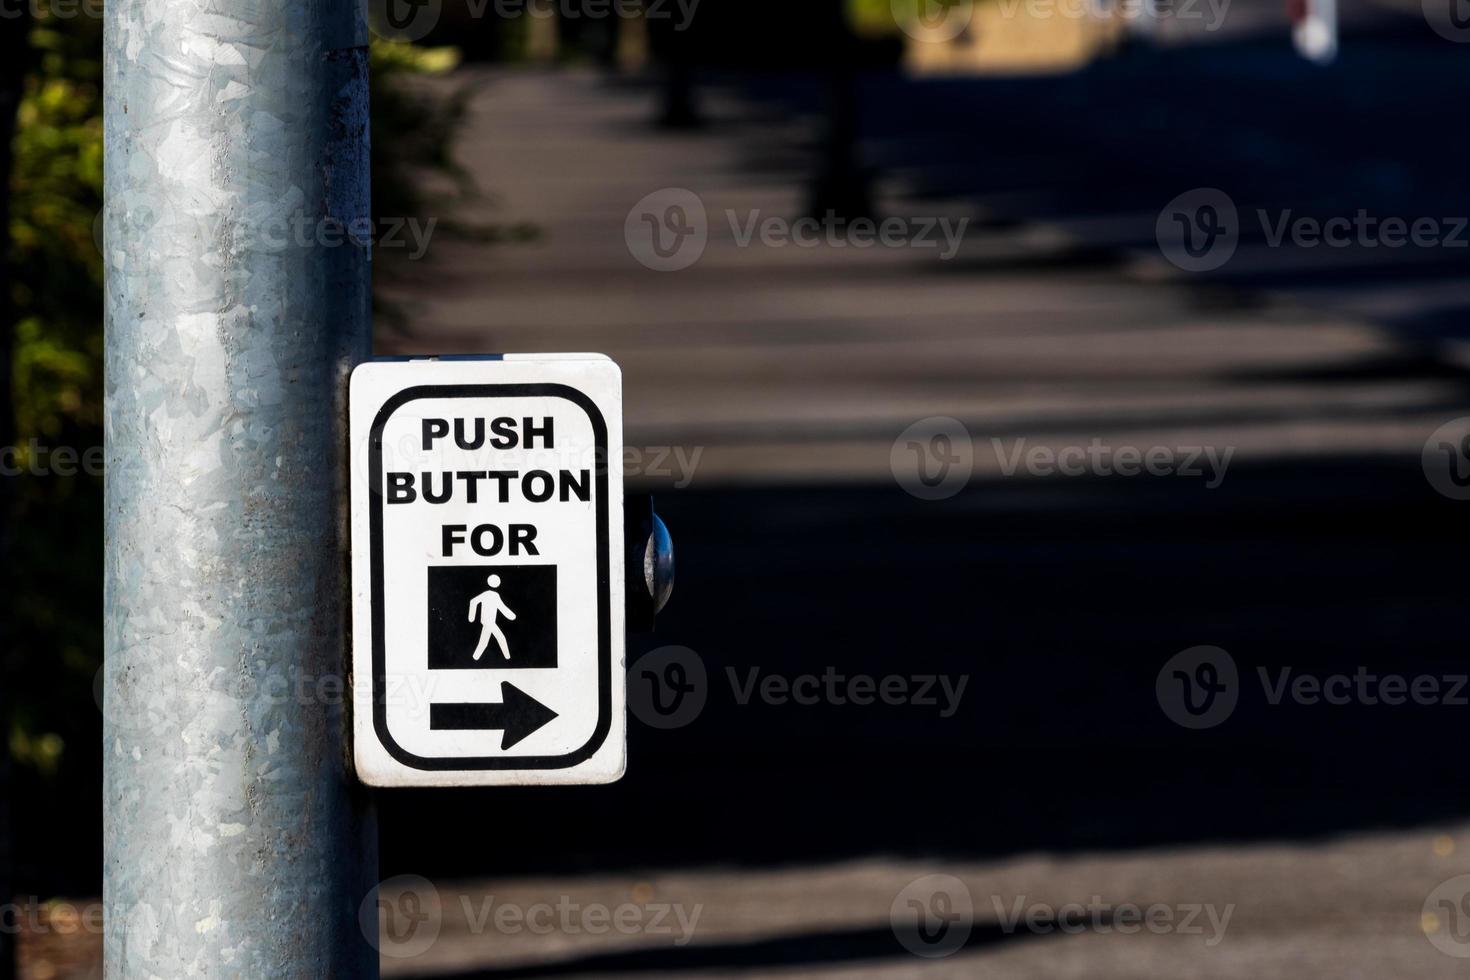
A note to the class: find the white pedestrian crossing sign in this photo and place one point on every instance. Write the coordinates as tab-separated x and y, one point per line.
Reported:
487	571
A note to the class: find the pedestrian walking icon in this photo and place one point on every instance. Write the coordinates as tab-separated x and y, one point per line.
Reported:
488	607
492	617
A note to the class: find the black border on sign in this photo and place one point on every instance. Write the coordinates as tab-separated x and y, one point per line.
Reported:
604	586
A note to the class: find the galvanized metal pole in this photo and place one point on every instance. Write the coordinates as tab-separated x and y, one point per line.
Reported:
237	258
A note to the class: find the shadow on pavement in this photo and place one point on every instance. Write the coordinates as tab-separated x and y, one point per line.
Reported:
817	949
1058	603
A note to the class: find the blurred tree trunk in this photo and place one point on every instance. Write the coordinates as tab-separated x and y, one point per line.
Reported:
841	186
677	53
13	58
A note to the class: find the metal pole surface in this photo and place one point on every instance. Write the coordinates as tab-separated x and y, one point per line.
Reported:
237	258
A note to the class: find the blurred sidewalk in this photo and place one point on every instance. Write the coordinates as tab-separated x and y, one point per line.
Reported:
788	367
803	364
1351	910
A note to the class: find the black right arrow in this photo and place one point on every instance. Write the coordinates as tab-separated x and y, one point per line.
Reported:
516	716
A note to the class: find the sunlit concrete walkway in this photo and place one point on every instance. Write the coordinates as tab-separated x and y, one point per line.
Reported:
781	365
792	363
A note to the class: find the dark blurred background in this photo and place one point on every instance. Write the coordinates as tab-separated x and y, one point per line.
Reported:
774	383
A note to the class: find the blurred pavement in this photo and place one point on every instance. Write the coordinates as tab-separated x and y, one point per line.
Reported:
1351	910
792	372
797	365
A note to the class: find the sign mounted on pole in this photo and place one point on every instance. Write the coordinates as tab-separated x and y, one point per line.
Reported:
487	571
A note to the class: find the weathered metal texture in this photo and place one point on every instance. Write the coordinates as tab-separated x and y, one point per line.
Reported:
236	843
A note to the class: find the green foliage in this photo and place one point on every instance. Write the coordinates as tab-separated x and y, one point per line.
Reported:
874	18
56	195
54	599
54	605
414	128
885	18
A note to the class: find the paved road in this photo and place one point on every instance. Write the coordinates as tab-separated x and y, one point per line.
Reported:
1351	909
783	375
798	364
